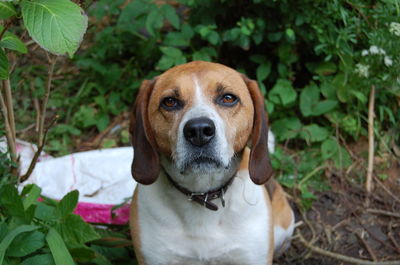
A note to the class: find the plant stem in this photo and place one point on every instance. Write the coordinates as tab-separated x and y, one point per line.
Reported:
10	139
371	114
10	106
37	153
45	100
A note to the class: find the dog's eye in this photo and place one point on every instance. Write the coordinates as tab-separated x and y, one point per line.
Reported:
228	100
170	103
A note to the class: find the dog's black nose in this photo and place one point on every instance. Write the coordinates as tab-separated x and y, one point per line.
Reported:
199	131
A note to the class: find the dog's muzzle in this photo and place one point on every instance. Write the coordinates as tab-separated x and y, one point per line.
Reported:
199	131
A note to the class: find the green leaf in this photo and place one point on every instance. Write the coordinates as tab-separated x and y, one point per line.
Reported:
44	259
11	201
4	66
325	68
314	133
58	249
154	21
32	194
75	231
263	71
170	14
342	158
204	54
12	42
309	96
25	244
282	93
7	240
287	128
68	203
7	10
171	51
324	106
329	148
57	26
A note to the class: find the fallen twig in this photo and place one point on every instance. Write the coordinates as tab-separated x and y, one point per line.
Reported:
382	212
367	247
387	190
341	257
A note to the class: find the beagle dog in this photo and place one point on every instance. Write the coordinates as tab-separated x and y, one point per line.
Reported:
200	137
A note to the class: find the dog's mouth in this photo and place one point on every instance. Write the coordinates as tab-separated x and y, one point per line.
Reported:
202	163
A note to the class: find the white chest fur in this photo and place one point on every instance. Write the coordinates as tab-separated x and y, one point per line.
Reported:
174	230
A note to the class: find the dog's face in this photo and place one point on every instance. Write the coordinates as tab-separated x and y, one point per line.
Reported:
197	116
201	115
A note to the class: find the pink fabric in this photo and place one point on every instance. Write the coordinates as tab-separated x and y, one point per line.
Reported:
101	213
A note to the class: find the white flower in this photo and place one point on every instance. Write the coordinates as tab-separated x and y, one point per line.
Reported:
394	28
388	61
362	70
364	52
376	50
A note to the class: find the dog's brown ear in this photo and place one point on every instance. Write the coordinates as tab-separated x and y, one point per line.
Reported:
260	169
146	163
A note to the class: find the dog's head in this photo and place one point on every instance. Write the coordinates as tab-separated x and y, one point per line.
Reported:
197	118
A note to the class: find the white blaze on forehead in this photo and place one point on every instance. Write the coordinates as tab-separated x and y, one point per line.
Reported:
199	95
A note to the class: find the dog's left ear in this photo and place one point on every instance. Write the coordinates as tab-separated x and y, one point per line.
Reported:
146	163
260	169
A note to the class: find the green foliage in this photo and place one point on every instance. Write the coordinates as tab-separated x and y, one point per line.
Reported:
57	26
315	74
66	22
47	232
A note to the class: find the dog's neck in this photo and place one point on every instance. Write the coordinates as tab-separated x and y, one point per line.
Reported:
201	181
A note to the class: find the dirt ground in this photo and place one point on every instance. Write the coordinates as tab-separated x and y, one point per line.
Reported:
345	221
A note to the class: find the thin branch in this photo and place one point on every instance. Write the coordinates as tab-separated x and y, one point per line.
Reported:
368	183
10	139
37	153
341	257
10	106
46	99
37	106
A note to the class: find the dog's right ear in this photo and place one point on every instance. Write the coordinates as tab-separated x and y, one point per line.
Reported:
146	163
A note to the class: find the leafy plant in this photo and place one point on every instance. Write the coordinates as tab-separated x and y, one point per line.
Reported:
45	231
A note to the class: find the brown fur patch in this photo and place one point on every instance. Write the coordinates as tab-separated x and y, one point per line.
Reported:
281	211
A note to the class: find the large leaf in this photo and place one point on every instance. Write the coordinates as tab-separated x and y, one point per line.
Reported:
7	10
58	249
309	96
282	93
25	244
75	231
57	26
4	65
44	259
5	243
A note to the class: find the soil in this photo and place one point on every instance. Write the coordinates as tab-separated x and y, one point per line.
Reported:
346	221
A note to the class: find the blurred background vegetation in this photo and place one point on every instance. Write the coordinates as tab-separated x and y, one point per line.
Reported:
316	63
